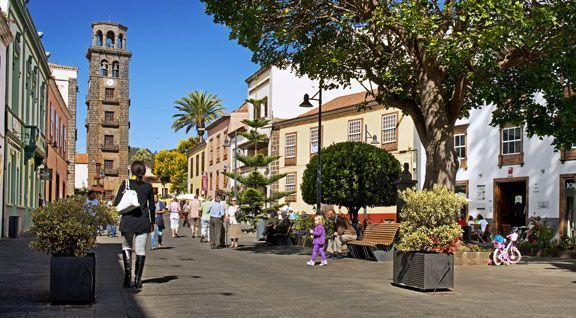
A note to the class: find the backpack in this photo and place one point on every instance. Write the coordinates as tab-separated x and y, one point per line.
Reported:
238	214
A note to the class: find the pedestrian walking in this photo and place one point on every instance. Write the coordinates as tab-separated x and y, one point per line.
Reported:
156	237
319	239
136	224
216	211
186	210
205	221
194	216
234	229
175	210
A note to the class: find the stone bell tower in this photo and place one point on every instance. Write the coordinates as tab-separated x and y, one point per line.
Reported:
108	103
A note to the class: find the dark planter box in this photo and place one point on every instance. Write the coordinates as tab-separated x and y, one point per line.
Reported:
72	279
423	271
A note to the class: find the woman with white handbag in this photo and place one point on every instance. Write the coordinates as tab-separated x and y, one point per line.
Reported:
135	200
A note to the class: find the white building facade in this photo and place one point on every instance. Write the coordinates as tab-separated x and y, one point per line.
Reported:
5	39
510	178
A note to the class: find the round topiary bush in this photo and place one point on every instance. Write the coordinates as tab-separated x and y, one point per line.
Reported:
354	175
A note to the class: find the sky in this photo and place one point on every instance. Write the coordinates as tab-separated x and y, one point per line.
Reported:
176	47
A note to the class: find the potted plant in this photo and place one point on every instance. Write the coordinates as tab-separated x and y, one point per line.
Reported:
66	231
428	234
301	230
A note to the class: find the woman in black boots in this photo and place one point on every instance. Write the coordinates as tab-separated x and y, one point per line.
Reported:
136	224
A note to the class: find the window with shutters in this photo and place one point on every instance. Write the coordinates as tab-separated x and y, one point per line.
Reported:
511	152
290	149
355	130
390	132
290	186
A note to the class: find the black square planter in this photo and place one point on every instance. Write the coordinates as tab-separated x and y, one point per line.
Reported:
423	271
72	279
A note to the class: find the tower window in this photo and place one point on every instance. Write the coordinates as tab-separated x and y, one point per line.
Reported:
109	93
115	69
104	68
98	38
121	41
108	164
108	139
110	39
109	117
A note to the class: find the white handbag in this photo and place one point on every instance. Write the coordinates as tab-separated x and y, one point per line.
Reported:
129	200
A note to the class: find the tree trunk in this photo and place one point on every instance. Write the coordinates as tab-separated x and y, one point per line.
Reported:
437	133
441	162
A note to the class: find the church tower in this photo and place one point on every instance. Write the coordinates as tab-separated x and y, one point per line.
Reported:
108	103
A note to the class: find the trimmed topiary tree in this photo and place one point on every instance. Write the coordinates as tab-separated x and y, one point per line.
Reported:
354	175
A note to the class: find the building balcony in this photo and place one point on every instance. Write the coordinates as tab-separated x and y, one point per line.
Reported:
113	123
110	147
34	144
110	172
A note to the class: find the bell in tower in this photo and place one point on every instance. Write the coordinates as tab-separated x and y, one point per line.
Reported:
108	103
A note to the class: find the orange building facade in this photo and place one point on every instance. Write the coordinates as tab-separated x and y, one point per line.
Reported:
57	118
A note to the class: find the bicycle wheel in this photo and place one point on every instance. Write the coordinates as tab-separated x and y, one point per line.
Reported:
514	256
496	257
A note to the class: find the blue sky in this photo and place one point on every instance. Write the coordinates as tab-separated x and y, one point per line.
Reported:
176	49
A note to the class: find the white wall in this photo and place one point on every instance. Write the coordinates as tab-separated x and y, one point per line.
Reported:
2	121
81	180
483	146
62	76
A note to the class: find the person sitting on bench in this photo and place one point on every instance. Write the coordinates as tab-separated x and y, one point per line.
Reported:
343	233
277	226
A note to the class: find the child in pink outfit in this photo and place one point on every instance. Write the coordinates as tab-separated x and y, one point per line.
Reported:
319	239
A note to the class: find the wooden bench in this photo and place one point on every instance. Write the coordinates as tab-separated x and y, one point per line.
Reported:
283	239
377	242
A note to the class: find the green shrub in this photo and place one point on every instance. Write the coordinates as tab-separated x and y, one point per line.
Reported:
429	220
64	228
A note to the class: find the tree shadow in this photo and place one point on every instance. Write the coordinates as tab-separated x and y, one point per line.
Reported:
262	248
159	280
565	266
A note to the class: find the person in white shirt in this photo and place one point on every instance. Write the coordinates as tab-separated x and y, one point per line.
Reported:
174	209
234	229
483	223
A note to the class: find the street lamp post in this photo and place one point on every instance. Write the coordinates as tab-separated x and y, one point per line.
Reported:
306	103
235	152
372	140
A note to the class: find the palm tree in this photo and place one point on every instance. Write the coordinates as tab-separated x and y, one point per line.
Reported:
197	110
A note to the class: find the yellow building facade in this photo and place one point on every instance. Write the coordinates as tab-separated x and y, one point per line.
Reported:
341	121
196	168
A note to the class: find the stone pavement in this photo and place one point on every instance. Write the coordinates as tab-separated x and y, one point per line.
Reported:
188	279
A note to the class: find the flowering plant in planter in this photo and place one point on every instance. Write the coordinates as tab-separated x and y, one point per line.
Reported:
429	220
302	225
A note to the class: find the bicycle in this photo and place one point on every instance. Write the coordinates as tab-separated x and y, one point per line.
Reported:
506	253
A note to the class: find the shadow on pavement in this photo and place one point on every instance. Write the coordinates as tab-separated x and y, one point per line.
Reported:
159	280
262	248
112	299
564	266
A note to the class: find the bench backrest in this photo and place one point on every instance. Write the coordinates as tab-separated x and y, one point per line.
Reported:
383	233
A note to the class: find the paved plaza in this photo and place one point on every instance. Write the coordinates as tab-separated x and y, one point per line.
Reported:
188	279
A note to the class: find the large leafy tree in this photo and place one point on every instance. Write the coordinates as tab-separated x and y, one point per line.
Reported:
432	59
354	175
197	110
185	145
142	154
171	165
